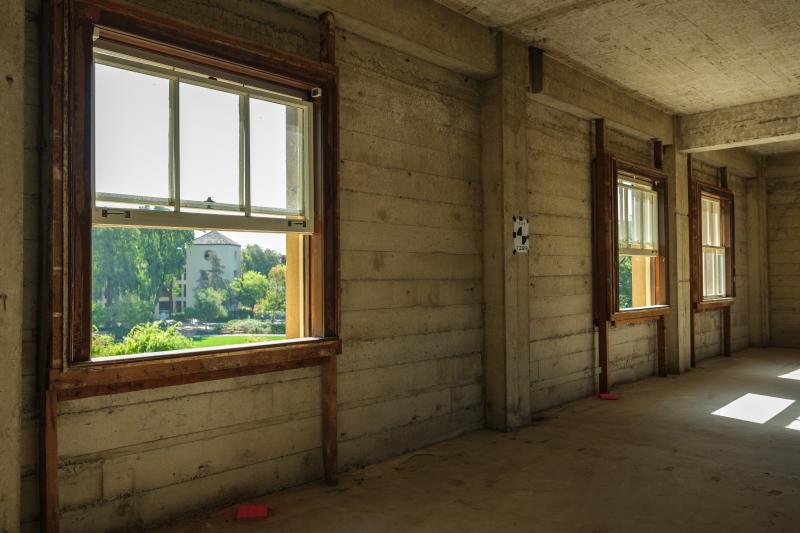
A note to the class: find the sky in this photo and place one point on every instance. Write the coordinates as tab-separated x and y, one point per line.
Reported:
132	113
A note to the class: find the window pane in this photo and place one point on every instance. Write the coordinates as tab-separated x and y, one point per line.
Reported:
720	267
710	222
209	146
157	290
637	281
277	166
709	272
131	139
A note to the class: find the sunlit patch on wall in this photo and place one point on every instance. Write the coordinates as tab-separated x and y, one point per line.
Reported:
794	374
754	408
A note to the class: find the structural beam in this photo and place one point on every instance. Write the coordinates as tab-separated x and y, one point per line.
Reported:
563	87
744	125
506	276
419	28
738	160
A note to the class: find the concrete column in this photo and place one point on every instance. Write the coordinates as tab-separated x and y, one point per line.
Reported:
12	41
506	281
757	261
678	326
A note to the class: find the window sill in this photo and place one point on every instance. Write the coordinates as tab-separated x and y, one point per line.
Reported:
643	314
126	374
714	303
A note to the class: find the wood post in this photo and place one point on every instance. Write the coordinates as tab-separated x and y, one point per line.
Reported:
662	346
48	463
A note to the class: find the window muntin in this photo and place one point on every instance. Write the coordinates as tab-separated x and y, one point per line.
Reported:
220	158
199	153
638	242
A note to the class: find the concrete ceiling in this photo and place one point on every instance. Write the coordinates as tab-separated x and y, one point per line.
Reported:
685	56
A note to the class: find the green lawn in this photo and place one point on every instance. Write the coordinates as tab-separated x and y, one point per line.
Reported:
225	340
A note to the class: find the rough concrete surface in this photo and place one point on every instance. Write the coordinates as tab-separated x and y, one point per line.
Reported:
656	460
719	53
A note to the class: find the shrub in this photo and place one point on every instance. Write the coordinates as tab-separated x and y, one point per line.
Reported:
102	344
278	328
143	338
119	317
247	326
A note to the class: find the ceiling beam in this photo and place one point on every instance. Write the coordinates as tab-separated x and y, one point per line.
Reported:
419	28
738	160
744	125
572	91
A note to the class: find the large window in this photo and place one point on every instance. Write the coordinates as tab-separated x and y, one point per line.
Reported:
712	250
193	231
176	146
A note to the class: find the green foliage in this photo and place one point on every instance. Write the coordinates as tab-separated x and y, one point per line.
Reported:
250	288
122	315
210	305
274	302
247	326
625	282
258	259
143	338
136	261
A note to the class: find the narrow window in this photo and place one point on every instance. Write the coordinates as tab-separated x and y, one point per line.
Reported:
638	242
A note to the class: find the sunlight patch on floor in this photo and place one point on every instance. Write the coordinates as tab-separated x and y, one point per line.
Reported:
754	408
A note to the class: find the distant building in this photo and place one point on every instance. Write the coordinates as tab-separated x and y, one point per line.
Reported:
199	260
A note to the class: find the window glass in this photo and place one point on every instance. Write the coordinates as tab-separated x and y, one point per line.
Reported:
209	147
637	214
156	290
277	163
714	253
131	136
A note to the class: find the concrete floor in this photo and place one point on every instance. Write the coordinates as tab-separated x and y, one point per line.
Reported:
656	460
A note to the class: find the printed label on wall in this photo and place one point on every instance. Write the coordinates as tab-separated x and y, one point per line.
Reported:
520	235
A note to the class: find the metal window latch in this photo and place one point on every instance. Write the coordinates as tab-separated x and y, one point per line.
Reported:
293	223
109	212
316	92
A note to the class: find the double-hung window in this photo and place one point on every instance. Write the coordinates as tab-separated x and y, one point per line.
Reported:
193	230
713	251
638	218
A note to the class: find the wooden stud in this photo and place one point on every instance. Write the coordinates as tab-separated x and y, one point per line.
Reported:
693	259
536	65
658	154
327	38
726	331
48	463
662	346
603	356
329	421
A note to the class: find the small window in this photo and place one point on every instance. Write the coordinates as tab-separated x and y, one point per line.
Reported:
713	251
637	211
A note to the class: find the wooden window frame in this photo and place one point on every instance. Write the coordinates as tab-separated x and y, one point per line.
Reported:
726	198
608	250
69	204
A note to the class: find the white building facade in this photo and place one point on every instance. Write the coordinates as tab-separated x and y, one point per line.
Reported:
199	259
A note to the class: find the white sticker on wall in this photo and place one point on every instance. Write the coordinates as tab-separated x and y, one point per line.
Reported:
520	235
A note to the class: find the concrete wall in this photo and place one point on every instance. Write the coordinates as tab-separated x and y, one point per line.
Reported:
562	333
12	113
708	325
412	317
782	176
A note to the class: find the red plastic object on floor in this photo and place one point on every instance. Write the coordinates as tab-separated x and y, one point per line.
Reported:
252	511
609	396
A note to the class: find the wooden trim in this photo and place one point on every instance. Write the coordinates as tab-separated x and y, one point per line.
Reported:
48	463
66	202
606	250
111	377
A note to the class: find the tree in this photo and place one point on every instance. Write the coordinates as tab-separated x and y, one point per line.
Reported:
625	282
210	304
165	254
117	259
274	302
257	259
250	288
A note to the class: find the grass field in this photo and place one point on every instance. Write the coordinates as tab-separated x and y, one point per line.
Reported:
225	340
